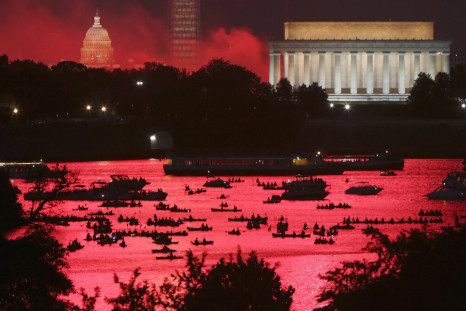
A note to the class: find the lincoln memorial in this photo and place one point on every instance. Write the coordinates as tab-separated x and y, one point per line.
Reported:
358	61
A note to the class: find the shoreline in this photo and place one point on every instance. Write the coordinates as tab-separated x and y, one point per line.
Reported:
84	141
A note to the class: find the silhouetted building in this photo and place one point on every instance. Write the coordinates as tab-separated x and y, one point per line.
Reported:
185	30
97	51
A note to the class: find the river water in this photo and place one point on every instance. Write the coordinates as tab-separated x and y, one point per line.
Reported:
300	260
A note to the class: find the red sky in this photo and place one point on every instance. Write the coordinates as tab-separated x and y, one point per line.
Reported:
50	31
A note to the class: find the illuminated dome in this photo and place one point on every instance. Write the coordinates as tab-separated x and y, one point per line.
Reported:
97	51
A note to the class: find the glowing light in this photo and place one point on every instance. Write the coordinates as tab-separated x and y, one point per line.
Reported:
153	138
347	106
318	152
463	106
331	105
139	83
15	110
104	109
88	107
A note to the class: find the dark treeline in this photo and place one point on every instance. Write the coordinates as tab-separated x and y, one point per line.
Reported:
220	105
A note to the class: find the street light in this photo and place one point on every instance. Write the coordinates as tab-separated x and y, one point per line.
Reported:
104	108
15	110
463	106
331	105
153	138
347	107
88	107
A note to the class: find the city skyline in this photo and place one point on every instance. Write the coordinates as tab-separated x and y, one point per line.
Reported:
140	29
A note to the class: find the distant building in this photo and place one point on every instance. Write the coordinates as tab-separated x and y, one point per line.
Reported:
185	31
358	61
97	51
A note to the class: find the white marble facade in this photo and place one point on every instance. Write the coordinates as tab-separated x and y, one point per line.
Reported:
358	70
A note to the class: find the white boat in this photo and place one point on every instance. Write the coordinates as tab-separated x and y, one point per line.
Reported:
453	188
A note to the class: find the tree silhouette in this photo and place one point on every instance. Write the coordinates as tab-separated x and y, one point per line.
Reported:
419	270
10	210
237	285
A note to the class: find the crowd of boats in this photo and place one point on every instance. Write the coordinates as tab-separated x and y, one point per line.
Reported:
123	191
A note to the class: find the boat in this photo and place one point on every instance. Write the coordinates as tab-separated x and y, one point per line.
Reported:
191	218
249	166
333	205
114	203
168	257
377	162
123	244
203	227
223	209
305	189
164	249
273	200
217	183
176	209
453	188
74	246
234	232
363	190
196	242
291	235
32	170
81	208
121	187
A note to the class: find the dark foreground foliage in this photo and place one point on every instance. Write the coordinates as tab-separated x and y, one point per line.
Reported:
419	270
31	272
10	210
231	284
31	265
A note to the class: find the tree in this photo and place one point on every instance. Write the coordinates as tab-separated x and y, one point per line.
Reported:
31	270
10	210
312	99
284	91
249	284
46	188
431	98
419	270
237	285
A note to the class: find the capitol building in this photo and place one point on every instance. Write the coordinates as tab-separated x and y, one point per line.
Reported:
97	51
358	61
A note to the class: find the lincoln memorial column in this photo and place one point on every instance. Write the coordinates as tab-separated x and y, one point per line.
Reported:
291	69
417	64
370	73
401	72
446	62
272	69
307	68
354	73
285	66
432	64
386	73
337	72
278	73
322	69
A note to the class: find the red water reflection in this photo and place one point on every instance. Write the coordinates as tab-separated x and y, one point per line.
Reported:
301	261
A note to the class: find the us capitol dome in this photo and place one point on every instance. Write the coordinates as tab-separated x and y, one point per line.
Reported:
97	51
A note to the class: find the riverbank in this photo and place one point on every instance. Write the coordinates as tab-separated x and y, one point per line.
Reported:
88	141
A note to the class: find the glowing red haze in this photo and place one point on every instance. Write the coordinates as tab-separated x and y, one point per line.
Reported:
51	31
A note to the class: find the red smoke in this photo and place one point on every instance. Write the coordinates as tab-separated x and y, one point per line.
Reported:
239	46
50	31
